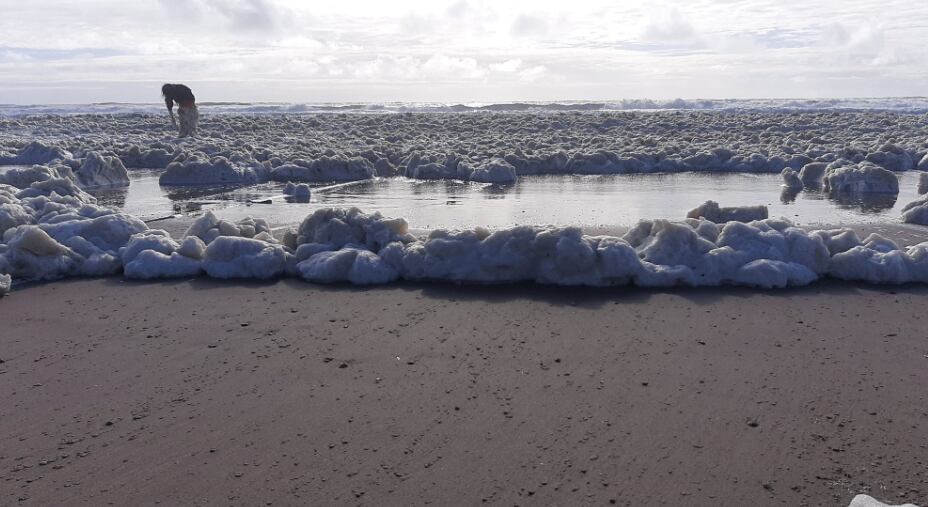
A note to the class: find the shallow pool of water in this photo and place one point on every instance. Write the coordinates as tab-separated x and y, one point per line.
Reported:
591	201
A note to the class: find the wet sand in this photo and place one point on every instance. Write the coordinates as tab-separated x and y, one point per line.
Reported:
201	392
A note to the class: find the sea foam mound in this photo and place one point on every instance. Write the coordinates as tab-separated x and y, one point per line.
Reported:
216	171
238	257
99	170
863	178
494	171
36	152
148	158
339	146
869	501
51	236
791	179
812	173
93	171
208	227
324	169
23	177
337	245
300	191
916	212
711	211
57	236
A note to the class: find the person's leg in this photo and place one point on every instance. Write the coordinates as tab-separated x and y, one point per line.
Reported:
195	120
184	113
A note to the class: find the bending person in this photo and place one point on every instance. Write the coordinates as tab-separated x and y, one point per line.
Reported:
186	107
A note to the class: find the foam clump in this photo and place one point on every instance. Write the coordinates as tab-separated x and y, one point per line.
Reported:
915	212
95	170
238	257
300	191
353	265
493	170
711	211
496	170
868	501
6	283
337	227
209	227
53	229
61	187
863	178
13	215
153	158
324	169
23	177
215	171
451	169
99	170
36	152
791	179
812	173
154	254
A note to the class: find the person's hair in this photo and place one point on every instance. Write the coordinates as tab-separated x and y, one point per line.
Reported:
166	88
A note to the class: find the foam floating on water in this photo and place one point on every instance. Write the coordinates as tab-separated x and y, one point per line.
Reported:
300	192
711	211
215	171
863	178
497	145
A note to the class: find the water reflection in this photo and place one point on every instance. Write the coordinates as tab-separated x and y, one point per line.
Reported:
497	190
296	199
584	200
435	187
111	197
199	192
865	203
788	195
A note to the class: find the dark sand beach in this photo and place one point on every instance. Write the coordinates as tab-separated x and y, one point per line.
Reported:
201	392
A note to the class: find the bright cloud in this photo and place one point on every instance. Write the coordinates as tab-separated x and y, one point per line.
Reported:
463	50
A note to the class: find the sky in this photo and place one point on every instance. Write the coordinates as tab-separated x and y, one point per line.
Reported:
462	51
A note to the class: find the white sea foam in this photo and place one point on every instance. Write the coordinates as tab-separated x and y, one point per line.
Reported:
492	146
64	236
869	501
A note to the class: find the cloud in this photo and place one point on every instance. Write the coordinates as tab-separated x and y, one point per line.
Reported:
668	25
450	67
235	16
526	25
533	73
248	15
510	65
464	49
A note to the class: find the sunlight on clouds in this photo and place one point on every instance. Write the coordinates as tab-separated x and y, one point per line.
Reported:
464	49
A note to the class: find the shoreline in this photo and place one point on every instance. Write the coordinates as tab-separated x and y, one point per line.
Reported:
287	392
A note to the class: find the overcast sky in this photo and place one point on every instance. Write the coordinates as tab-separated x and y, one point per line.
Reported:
67	51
